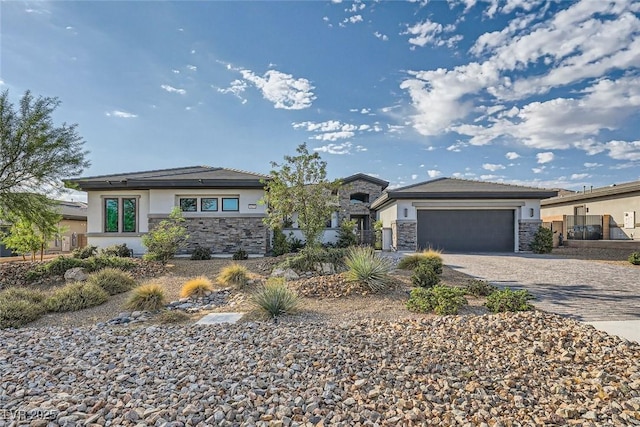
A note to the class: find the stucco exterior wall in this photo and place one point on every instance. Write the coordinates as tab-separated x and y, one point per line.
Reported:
616	206
162	201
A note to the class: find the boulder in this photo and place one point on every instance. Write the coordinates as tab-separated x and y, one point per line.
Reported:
76	274
288	274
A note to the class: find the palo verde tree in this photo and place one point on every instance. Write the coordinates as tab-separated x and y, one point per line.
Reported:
300	187
32	236
35	155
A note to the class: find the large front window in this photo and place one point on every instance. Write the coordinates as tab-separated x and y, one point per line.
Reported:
230	204
120	214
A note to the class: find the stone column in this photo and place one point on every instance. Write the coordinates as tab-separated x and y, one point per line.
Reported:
526	230
405	235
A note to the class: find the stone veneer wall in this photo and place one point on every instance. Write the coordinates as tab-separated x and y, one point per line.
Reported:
526	231
405	235
358	186
225	235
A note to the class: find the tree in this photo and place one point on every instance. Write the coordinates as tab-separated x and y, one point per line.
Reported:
300	187
166	238
27	236
35	155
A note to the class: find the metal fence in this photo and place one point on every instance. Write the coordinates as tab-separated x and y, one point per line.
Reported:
584	227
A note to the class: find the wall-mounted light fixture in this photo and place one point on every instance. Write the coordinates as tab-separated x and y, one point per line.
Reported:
531	212
406	212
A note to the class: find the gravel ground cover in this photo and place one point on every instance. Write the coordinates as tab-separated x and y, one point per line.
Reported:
511	369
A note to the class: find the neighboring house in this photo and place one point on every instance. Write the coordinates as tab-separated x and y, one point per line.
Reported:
460	215
353	202
73	226
609	213
220	207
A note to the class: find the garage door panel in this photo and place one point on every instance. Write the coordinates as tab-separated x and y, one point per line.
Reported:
466	230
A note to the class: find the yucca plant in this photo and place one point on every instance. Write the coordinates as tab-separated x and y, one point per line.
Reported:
76	296
148	297
275	298
196	288
234	275
112	280
365	266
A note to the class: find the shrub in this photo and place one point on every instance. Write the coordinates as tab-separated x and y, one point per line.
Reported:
309	258
346	234
173	316
509	300
76	296
479	288
19	306
200	254
634	258
275	298
439	299
112	280
234	275
430	256
281	245
196	288
240	254
58	266
365	266
86	252
100	262
166	238
542	242
425	276
121	251
148	297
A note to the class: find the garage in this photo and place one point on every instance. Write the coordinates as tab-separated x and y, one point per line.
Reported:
481	230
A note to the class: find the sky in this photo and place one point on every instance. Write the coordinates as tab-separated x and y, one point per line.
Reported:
528	92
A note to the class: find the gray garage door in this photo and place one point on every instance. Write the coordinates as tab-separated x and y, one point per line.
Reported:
466	230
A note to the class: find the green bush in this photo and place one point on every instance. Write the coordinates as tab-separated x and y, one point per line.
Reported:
479	288
76	296
19	306
100	262
235	275
275	298
439	299
281	245
200	254
509	300
121	251
309	258
365	266
542	241
634	258
240	254
165	239
112	280
346	234
424	275
432	257
148	297
58	266
86	252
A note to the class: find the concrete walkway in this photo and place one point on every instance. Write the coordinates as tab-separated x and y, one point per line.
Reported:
584	290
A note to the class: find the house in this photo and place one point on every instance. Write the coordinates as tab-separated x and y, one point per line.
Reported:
73	225
460	215
220	207
608	213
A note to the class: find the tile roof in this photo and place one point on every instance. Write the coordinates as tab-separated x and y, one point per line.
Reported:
594	193
384	184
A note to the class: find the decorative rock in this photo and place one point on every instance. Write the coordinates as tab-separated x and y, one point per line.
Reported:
288	274
76	274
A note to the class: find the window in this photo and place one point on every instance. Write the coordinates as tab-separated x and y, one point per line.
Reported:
208	204
359	198
120	214
189	204
230	204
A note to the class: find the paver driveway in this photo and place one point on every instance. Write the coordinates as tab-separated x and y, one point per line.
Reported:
584	290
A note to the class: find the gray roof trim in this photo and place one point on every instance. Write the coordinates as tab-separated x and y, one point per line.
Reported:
186	184
363	176
614	190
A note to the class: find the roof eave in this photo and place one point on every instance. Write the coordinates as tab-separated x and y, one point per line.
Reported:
157	184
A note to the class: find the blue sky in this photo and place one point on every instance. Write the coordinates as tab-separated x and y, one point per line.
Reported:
518	91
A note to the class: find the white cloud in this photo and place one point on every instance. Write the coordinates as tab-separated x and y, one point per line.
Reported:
624	150
429	32
193	51
414	176
489	177
545	157
236	88
1	82
537	170
172	89
422	165
433	173
343	148
361	148
381	36
176	71
512	155
332	130
492	167
192	67
592	165
365	111
351	20
121	114
577	176
285	91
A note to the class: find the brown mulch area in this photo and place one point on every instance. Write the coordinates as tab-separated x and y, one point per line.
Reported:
607	256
